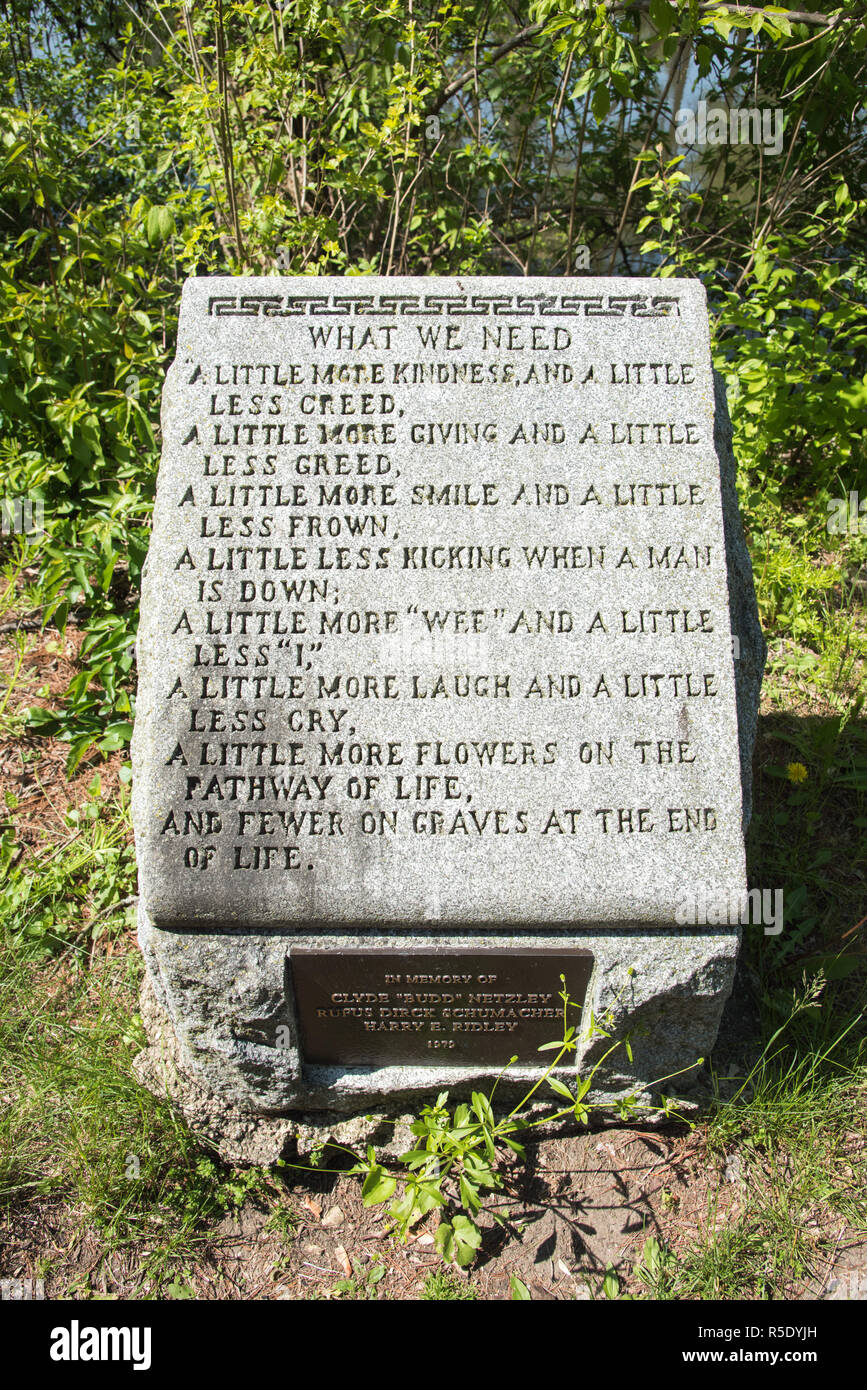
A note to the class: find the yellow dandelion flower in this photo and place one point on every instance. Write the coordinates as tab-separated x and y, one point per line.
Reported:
796	772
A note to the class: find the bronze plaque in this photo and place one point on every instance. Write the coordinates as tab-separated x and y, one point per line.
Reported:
459	1008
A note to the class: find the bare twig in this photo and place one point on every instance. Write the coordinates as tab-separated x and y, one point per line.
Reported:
647	139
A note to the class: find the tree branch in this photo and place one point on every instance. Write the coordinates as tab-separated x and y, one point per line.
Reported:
523	36
470	74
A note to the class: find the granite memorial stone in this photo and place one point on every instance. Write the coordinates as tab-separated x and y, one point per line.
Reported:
448	675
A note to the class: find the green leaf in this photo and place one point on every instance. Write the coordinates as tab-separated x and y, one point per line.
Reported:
414	1158
467	1232
514	1146
403	1211
482	1107
176	1290
585	82
444	1240
722	23
378	1186
601	103
469	1194
663	16
116	736
560	1088
779	17
520	1292
159	224
621	84
465	1252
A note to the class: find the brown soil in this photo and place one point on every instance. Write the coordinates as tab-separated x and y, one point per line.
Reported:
33	770
582	1205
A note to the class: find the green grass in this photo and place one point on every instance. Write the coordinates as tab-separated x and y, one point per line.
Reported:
76	1127
363	1284
799	1179
87	878
810	592
789	1147
441	1286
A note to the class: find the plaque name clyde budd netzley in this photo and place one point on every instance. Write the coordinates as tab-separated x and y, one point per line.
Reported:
448	644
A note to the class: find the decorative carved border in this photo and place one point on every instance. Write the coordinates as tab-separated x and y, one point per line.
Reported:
616	306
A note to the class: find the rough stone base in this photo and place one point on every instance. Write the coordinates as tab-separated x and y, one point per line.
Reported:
247	1137
224	1046
239	1135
